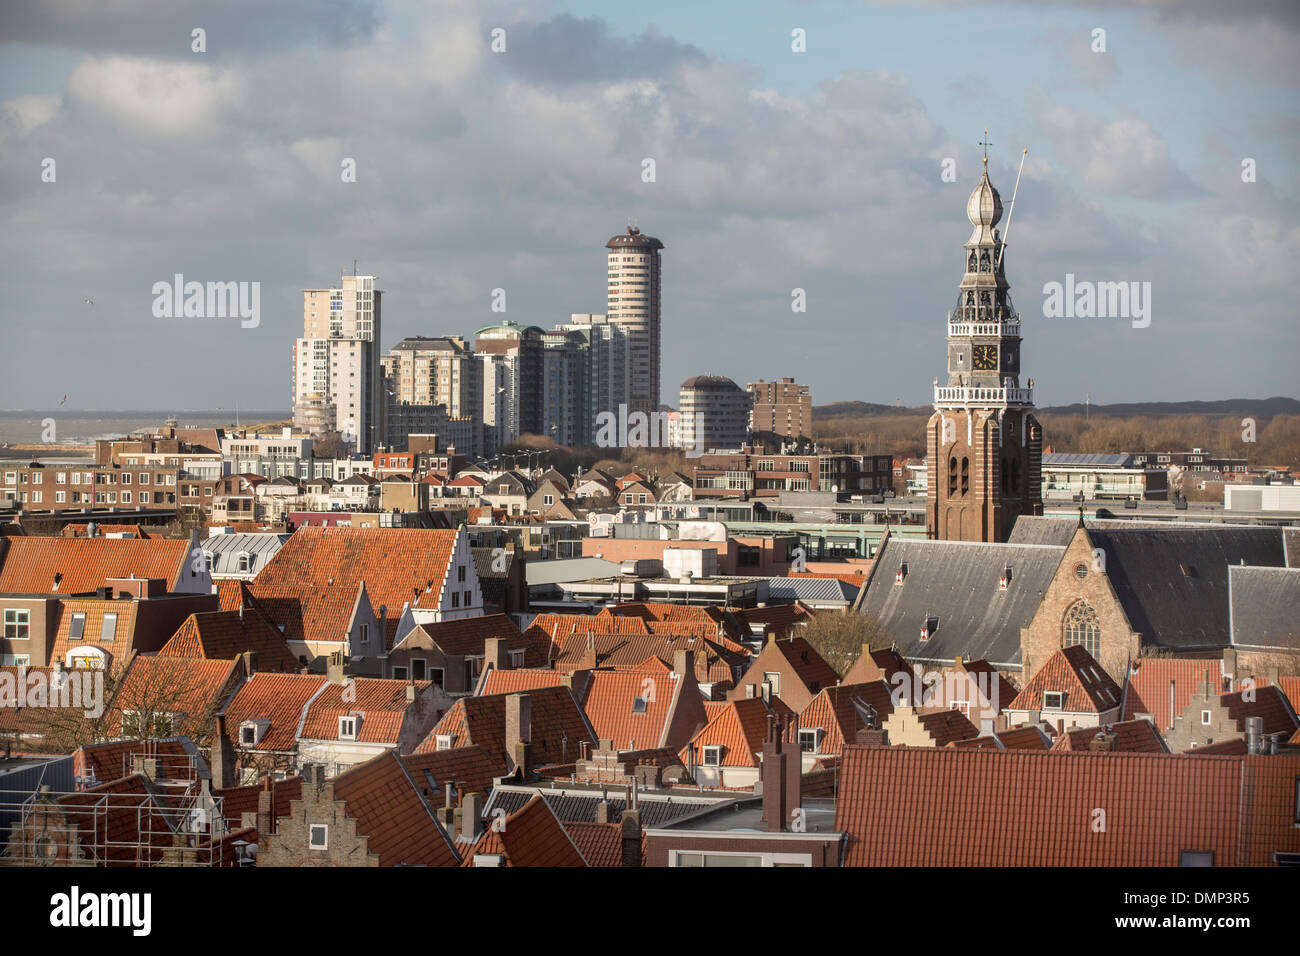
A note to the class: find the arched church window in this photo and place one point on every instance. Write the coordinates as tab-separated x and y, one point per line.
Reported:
952	476
986	299
970	262
985	262
965	476
1081	626
970	298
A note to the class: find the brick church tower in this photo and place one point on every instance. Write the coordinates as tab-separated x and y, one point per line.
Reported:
984	448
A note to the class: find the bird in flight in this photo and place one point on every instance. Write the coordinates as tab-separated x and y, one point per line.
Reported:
90	301
65	398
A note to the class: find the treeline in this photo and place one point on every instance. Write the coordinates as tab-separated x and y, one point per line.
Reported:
1277	439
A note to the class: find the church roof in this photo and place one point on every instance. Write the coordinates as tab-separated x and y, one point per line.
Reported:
957	583
1262	606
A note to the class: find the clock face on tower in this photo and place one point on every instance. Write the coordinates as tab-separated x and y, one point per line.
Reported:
984	358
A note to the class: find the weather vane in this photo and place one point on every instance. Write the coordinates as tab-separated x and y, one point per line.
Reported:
986	144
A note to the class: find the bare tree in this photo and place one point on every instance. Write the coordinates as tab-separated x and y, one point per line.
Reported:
838	638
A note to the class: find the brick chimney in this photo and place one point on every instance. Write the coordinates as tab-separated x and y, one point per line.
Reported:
630	824
519	733
222	759
781	771
265	811
496	651
334	668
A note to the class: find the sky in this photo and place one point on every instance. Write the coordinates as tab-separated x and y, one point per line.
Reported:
774	170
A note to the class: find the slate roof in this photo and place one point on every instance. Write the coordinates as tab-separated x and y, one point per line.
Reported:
224	635
1088	688
579	805
1028	808
1173	581
1264	607
226	549
957	582
29	564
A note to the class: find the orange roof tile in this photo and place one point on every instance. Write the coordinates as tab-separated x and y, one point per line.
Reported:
531	836
611	706
195	689
1033	808
559	726
1146	690
739	727
225	635
839	710
279	698
381	702
1088	688
391	812
30	564
517	679
1131	736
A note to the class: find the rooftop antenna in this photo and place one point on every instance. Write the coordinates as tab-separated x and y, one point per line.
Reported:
1003	251
354	268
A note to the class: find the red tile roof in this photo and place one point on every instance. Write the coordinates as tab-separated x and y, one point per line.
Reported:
382	704
609	706
93	627
30	564
1146	690
236	801
1269	704
386	801
1028	808
469	635
516	680
397	565
224	635
195	689
838	711
739	727
279	698
558	725
1088	688
1131	736
531	836
601	844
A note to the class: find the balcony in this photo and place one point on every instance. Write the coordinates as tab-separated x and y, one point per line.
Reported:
965	395
1007	329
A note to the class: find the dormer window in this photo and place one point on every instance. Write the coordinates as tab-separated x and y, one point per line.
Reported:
639	704
810	739
245	562
712	755
348	726
443	741
928	627
901	573
1053	700
1005	579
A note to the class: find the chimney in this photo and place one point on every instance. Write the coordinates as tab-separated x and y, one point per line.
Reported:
249	658
334	668
1172	712
410	692
602	811
630	823
496	652
519	733
782	766
1103	742
265	811
446	813
222	757
471	817
1254	732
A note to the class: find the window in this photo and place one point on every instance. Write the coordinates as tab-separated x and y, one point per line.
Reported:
17	622
773	678
248	735
348	727
455	599
419	667
365	634
468	602
1205	718
517	658
639	705
245	561
109	630
77	629
319	838
1053	699
1196	858
1081	571
399	673
443	741
809	738
126	497
1081	626
460	573
712	755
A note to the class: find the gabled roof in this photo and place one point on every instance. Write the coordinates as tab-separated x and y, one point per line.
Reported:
1264	609
311	612
279	698
804	660
885	660
601	844
842	710
713	662
398	565
469	635
1147	686
611	706
946	726
739	727
467	769
1088	688
1173	581
680	614
390	810
517	680
558	725
382	704
236	801
1269	704
1033	808
29	564
195	689
957	584
1018	738
92	629
225	635
531	836
1131	736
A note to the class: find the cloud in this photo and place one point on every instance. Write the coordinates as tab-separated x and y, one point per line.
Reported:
565	50
1120	157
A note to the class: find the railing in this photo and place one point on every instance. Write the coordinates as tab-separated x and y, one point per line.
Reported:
983	328
965	395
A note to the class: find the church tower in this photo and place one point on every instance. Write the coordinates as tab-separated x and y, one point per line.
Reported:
984	448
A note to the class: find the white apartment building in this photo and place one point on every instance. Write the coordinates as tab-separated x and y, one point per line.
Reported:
633	276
